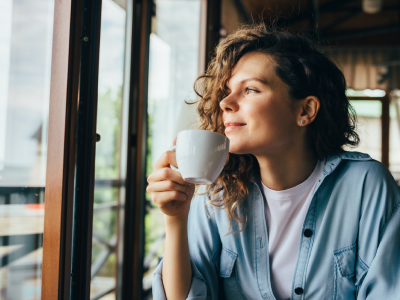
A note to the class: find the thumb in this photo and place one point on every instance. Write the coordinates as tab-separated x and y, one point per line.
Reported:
174	143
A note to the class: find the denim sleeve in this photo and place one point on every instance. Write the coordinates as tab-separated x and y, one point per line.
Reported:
379	238
204	246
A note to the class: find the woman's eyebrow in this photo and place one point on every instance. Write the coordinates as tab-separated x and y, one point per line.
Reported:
263	81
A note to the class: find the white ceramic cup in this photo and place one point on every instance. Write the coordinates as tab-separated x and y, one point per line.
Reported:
200	155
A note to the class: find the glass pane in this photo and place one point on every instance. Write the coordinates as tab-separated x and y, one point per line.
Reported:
25	65
174	61
108	150
369	127
365	93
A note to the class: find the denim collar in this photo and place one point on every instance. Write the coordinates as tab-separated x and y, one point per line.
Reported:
332	161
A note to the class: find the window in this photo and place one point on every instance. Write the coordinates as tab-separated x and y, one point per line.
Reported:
369	127
370	109
174	66
25	60
110	119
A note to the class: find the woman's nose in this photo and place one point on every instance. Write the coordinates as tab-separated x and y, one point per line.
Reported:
229	103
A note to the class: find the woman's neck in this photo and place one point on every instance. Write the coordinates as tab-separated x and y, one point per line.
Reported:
287	168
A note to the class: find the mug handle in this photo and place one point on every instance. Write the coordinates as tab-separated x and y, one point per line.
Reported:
173	167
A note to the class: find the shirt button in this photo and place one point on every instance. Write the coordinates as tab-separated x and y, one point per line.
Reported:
308	233
298	291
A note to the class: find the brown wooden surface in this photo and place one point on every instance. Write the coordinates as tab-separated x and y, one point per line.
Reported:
366	98
60	152
233	14
337	18
213	28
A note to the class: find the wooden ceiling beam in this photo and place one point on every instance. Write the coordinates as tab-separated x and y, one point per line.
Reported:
323	8
393	8
362	32
335	4
341	20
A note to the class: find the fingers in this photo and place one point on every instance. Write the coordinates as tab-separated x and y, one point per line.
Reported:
174	143
163	198
167	185
166	173
168	158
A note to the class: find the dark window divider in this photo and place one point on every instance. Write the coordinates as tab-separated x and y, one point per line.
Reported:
131	223
82	225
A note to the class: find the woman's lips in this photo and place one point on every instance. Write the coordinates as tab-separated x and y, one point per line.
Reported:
230	126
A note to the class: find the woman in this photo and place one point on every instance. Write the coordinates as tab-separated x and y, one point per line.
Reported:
292	216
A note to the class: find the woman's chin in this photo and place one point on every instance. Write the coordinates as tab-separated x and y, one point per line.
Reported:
238	150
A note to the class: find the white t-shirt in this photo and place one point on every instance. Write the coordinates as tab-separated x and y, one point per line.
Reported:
285	212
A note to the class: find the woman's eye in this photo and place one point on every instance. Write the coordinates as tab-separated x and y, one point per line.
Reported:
250	91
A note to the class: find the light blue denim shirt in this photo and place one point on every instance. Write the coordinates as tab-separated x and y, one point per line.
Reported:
351	249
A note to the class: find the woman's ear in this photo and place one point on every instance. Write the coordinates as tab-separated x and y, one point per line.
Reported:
308	110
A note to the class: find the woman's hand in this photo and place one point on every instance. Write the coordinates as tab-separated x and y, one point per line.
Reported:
168	189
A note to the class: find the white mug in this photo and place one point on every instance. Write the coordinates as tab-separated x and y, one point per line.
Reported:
200	155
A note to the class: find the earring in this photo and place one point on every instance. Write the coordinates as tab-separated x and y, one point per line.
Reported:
302	121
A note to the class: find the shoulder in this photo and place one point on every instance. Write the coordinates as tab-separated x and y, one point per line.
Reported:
370	181
362	166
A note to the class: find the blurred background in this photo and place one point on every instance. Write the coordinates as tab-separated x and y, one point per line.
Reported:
361	36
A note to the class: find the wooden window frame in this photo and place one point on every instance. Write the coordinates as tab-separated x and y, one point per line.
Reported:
60	190
64	88
75	20
71	148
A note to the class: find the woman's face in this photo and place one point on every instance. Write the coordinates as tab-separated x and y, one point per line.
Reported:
257	113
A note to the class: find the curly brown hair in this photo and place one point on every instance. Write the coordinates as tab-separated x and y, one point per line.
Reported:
305	70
